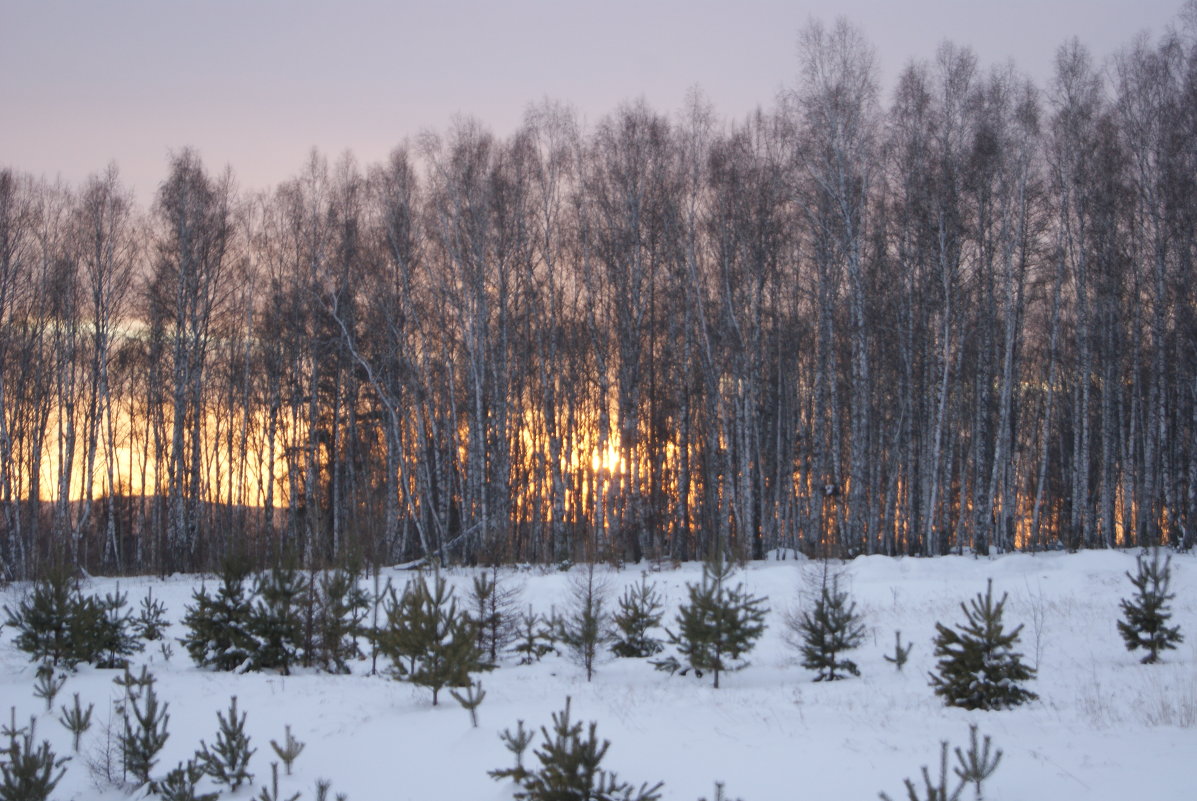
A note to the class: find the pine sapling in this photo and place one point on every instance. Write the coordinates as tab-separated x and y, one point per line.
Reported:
534	638
76	720
1147	614
276	622
978	667
494	615
584	627
12	730
517	743
133	685
937	791
271	794
720	794
569	767
833	626
289	750
901	654
28	773
218	625
51	620
111	638
717	627
150	623
227	760
641	608
341	607
48	684
973	767
322	788
145	723
429	640
470	700
179	784
377	633
978	764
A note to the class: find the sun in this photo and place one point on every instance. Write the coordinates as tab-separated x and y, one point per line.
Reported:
607	460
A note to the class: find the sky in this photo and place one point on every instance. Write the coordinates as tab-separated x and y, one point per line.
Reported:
256	84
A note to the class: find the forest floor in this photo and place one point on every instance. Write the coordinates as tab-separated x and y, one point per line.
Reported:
1104	726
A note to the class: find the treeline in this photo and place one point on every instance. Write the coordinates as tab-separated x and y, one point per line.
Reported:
965	320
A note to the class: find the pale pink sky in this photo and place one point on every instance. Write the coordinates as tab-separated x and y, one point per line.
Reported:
258	83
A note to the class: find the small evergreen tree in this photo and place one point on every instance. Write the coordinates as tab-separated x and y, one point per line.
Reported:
535	637
517	743
901	652
341	607
271	793
978	764
48	685
569	766
227	760
180	784
470	700
428	639
973	767
150	623
934	791
219	626
57	624
493	614
144	730
48	621
978	668
1147	614
832	627
76	720
720	794
289	751
28	773
717	627
640	611
110	623
276	622
322	788
584	627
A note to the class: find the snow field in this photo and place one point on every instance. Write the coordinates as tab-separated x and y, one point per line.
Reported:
1104	727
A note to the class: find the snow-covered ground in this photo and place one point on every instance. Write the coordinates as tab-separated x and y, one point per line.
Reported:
1104	727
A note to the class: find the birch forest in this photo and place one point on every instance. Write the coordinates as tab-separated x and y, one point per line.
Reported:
956	315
